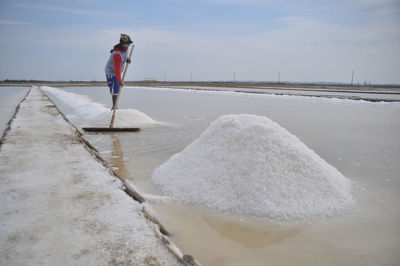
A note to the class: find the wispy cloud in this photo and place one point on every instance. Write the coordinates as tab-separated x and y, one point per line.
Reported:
52	8
376	2
12	22
235	1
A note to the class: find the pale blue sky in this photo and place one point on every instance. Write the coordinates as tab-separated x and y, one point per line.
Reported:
306	41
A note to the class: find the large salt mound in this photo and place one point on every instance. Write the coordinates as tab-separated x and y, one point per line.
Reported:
249	165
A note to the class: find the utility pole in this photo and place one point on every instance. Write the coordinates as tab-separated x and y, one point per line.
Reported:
352	77
279	77
234	76
190	76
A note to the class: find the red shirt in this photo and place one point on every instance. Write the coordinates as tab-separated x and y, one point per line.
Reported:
118	64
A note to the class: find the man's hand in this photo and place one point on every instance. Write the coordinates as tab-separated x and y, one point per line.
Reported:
128	60
121	85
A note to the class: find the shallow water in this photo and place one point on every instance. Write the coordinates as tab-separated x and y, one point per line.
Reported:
360	139
9	99
382	94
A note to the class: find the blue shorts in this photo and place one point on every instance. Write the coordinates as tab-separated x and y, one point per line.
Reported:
113	84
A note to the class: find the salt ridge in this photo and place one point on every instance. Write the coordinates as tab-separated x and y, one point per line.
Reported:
308	98
249	165
98	114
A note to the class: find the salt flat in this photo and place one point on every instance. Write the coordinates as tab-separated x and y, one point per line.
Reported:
62	207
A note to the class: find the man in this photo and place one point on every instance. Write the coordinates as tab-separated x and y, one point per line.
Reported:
115	65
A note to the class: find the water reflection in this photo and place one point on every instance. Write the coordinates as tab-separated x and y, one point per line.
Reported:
251	233
117	158
9	99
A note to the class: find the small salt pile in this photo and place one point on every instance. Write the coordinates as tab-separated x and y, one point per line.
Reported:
123	118
97	114
249	165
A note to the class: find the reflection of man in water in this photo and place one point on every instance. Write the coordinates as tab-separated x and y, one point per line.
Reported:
117	158
115	64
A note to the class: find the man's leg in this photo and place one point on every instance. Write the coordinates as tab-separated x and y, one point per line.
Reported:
114	100
115	90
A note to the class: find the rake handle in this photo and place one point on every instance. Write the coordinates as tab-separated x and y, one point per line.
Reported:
120	89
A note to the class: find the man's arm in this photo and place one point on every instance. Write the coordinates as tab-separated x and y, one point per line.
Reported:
117	67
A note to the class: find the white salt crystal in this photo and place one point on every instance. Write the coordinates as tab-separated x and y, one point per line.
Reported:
249	165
